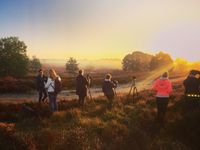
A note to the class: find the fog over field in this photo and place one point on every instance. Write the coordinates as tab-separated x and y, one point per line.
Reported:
86	63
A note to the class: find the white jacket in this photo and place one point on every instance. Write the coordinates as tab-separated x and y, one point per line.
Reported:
50	84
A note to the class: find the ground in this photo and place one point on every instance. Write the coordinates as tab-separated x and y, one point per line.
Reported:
128	125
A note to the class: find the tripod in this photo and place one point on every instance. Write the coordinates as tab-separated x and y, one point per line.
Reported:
89	91
90	94
133	90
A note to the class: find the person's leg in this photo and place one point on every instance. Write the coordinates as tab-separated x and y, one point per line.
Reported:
110	101
196	103
164	108
51	99
55	103
44	95
192	103
186	107
40	95
79	100
83	100
158	102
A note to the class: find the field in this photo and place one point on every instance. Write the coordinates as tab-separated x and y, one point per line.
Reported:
127	125
27	84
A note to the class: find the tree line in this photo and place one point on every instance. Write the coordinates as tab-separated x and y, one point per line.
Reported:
13	58
139	61
15	62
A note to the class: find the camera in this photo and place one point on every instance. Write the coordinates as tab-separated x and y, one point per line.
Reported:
115	81
134	77
88	76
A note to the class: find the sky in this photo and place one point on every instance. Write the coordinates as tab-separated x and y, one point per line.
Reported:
96	29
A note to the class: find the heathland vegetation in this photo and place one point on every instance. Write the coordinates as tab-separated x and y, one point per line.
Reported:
127	125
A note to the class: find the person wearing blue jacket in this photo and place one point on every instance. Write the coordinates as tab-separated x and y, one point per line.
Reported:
41	79
108	89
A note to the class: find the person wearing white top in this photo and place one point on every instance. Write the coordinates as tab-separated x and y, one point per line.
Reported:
50	86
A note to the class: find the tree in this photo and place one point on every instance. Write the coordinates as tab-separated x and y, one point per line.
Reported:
137	61
13	58
160	60
72	66
35	64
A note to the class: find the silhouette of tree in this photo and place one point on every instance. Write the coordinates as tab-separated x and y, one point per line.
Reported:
72	66
35	64
137	61
160	60
13	58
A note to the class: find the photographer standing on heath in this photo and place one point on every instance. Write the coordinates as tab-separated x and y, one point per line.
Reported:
108	89
82	84
41	79
192	90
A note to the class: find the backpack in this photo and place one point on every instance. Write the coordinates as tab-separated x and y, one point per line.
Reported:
58	86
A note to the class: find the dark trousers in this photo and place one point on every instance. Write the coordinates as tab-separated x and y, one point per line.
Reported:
110	100
81	99
53	101
162	103
42	95
192	103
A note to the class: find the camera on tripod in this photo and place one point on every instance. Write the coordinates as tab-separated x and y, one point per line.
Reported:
88	77
134	77
134	81
133	90
115	82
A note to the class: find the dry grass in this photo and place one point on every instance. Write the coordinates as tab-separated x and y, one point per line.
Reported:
127	125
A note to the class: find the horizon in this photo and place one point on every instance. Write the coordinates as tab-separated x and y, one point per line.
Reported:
101	63
94	30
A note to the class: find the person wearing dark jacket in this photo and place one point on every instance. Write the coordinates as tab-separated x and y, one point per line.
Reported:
108	89
192	91
82	84
41	79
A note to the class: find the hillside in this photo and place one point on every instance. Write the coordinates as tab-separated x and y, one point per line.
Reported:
127	126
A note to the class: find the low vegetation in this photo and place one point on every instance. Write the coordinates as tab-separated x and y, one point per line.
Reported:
128	125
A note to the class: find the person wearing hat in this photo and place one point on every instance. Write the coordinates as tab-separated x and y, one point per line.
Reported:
41	79
163	88
192	92
108	89
82	84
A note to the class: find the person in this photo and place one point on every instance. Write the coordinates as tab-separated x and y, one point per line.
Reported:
163	87
82	84
192	92
108	89
41	79
51	89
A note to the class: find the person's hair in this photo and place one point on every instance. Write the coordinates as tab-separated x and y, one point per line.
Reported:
53	74
81	71
194	72
165	75
108	76
40	70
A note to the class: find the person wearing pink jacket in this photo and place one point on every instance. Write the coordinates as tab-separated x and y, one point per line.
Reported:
163	88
